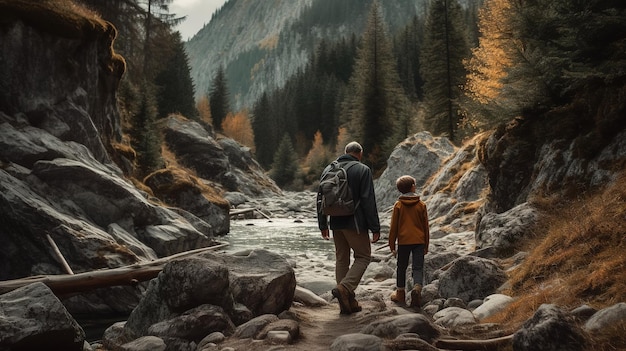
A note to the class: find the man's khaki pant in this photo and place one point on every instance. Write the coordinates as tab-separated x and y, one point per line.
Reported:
345	240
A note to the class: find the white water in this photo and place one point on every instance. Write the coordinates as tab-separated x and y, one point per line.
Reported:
289	237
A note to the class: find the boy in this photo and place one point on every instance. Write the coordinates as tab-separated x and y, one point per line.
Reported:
409	226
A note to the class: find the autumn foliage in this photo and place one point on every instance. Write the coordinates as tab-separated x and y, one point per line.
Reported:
239	128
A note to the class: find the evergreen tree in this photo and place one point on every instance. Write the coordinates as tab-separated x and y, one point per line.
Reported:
264	131
445	48
407	49
376	109
146	140
218	98
176	93
285	164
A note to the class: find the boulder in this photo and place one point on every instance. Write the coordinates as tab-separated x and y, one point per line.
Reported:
504	231
263	280
549	329
420	155
606	318
452	317
471	278
182	190
196	296
33	318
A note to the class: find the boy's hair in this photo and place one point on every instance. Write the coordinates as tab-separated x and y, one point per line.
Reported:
405	183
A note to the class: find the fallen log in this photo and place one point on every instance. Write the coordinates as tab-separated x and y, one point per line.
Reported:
484	345
63	284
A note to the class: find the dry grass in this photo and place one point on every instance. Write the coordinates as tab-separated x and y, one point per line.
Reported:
581	259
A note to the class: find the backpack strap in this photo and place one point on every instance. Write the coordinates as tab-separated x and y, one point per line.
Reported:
346	165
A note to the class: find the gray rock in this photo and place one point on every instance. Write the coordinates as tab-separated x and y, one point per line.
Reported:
452	317
145	343
470	278
391	327
454	302
211	340
491	305
254	326
289	326
607	317
504	231
194	324
263	281
32	318
420	156
308	298
356	341
549	329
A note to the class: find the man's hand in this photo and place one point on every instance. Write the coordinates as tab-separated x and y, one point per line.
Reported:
375	237
325	234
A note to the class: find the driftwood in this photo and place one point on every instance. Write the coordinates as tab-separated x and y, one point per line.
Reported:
128	275
59	255
236	212
485	345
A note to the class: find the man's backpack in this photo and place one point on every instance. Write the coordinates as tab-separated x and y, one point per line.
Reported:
335	194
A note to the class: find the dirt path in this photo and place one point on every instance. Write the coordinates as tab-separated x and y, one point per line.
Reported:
320	326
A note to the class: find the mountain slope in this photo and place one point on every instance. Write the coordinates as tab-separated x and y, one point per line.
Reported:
242	30
262	43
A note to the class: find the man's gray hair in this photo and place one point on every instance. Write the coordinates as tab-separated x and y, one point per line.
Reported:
353	148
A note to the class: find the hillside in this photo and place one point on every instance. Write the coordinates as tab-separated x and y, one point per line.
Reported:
262	43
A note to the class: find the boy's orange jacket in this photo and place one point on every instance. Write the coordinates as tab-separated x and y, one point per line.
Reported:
409	222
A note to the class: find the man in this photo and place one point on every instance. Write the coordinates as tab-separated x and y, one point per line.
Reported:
351	232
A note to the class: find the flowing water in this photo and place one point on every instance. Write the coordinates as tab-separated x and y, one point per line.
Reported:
285	236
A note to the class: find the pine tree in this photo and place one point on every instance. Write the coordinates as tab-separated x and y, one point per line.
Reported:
376	108
285	164
176	89
445	48
407	48
218	98
145	137
263	124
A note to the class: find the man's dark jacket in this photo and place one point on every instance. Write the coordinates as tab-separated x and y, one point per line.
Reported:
362	186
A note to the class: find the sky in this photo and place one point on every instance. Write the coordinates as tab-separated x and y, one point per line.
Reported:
198	13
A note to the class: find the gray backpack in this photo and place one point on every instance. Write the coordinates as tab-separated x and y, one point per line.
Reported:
334	192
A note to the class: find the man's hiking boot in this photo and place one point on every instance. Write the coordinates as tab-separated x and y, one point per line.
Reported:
416	296
343	296
354	304
399	296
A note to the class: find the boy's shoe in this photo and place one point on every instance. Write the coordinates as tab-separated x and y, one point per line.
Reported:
416	296
399	296
343	296
354	304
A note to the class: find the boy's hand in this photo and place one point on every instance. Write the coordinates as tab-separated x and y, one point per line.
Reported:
394	253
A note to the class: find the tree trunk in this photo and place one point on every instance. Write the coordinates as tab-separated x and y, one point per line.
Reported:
129	275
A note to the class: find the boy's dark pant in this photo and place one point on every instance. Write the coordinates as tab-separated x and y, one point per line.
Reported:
404	251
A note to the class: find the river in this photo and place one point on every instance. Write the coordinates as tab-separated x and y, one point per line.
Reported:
289	237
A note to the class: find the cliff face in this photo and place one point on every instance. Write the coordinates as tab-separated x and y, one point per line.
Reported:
59	125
